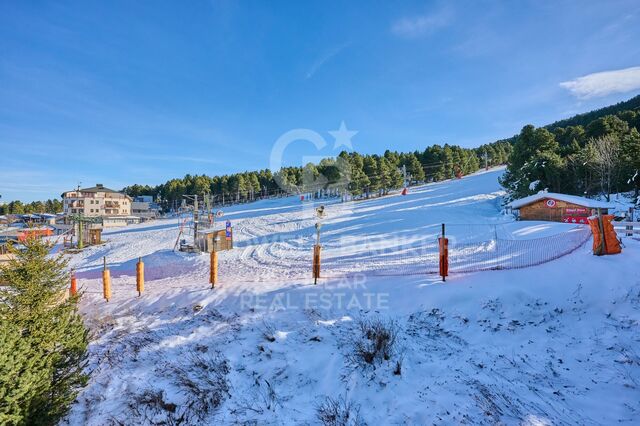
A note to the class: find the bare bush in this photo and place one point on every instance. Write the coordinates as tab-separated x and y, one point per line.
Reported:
398	369
339	412
151	407
268	332
203	381
375	342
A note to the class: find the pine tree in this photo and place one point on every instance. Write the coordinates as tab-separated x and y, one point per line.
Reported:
359	180
43	341
390	176
370	166
414	168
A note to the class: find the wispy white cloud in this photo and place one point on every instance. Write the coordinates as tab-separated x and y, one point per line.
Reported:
604	83
323	59
421	25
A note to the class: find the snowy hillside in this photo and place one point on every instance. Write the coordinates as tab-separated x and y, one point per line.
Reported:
557	343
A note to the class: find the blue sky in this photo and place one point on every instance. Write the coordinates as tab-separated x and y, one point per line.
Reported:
122	92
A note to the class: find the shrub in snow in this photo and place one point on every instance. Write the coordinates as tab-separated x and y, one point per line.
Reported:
203	382
375	341
151	407
268	332
339	412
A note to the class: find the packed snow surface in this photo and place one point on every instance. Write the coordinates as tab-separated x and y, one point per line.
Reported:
557	343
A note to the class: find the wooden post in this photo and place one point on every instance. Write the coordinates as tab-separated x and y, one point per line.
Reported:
213	271
316	263
443	247
140	276
106	281
73	290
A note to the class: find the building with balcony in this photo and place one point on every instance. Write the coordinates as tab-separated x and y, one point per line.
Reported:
96	201
144	207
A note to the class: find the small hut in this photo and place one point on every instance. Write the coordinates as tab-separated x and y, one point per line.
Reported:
210	240
554	207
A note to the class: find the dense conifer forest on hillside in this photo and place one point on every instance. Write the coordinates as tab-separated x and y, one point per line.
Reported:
595	153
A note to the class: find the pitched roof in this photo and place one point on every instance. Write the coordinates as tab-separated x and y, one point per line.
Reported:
573	199
97	188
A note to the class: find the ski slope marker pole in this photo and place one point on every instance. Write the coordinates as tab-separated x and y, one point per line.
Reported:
443	247
140	276
213	271
106	281
73	290
316	263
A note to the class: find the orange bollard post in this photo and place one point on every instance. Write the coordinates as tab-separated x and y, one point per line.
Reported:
316	263
73	290
213	271
140	276
106	281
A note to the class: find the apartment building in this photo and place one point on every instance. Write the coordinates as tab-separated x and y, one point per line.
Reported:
96	201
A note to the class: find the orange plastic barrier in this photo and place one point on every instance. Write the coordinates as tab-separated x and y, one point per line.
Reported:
611	243
594	223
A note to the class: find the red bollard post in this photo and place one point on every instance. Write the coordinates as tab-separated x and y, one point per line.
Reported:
73	290
443	246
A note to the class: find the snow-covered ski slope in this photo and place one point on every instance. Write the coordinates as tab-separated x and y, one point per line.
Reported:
556	343
273	239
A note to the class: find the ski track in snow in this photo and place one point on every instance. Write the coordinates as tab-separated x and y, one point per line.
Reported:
553	344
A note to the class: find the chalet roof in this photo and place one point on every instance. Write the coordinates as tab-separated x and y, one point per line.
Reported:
97	188
573	199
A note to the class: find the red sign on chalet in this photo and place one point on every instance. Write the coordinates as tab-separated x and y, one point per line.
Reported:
575	219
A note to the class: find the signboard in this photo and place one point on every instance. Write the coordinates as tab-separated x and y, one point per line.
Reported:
228	230
550	203
575	219
576	210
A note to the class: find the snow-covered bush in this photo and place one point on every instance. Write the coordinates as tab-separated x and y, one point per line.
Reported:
203	382
339	412
375	341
